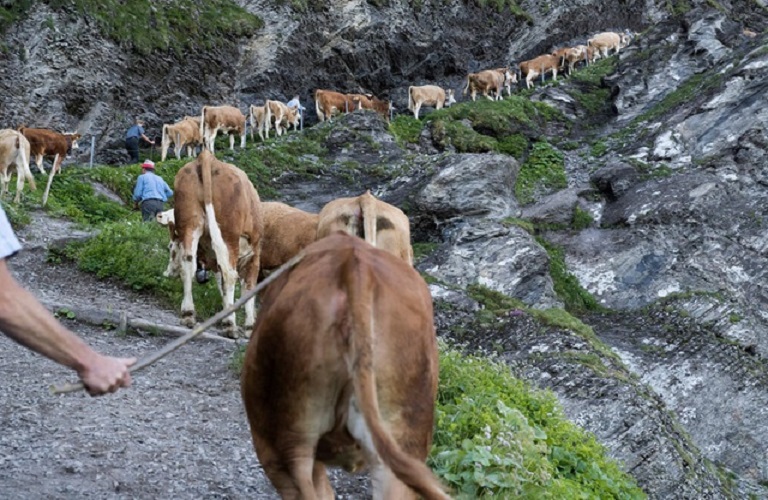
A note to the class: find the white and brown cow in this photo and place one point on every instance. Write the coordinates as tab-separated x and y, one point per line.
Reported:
607	41
260	118
282	117
539	66
377	222
487	81
329	103
45	142
342	370
14	153
228	119
184	133
221	221
429	95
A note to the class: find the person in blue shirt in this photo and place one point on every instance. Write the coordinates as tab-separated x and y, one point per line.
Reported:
151	192
296	104
132	137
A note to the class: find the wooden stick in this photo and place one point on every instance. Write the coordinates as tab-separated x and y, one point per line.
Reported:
172	346
50	179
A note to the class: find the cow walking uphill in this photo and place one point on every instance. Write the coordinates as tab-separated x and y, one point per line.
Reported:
228	119
429	95
222	220
46	142
14	153
184	133
342	370
377	222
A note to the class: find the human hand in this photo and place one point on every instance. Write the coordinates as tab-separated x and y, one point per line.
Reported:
105	374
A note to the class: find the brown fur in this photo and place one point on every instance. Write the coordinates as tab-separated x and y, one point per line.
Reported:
379	223
260	118
228	119
286	231
344	348
430	95
238	218
537	66
329	103
184	133
45	142
282	117
489	80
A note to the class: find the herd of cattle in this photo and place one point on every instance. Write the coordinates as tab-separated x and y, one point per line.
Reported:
341	368
342	365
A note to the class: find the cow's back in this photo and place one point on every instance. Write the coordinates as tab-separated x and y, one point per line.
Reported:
299	372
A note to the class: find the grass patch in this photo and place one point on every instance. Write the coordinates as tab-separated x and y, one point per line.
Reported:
175	26
582	219
496	437
514	145
406	129
463	138
11	12
567	287
697	85
421	250
136	253
543	171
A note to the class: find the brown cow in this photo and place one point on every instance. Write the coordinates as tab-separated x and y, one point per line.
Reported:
379	223
489	80
14	152
260	117
329	103
604	42
369	101
46	142
431	95
282	116
286	231
225	118
224	220
537	66
182	133
342	370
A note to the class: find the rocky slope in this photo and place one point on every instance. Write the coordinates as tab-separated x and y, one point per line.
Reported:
671	170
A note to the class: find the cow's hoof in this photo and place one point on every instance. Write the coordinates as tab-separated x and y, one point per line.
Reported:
188	319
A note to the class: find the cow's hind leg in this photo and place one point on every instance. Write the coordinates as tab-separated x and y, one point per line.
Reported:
188	269
232	142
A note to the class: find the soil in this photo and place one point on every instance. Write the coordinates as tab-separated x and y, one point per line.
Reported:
179	432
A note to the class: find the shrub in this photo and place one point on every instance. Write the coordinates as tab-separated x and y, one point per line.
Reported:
406	129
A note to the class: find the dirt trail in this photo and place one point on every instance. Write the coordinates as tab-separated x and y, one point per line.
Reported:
180	432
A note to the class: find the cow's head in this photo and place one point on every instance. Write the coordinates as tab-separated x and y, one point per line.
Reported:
72	138
450	98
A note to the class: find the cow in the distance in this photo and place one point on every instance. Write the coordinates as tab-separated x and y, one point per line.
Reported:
429	95
377	222
370	101
282	117
607	41
329	103
14	153
220	221
539	66
260	119
342	370
228	119
184	133
45	142
489	81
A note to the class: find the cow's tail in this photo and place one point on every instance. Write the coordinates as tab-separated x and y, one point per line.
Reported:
411	104
357	279
466	87
369	215
253	120
23	169
164	143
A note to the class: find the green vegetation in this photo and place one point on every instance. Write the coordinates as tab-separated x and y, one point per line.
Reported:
544	170
406	129
462	137
696	85
421	250
514	440
678	7
567	286
581	218
147	26
598	149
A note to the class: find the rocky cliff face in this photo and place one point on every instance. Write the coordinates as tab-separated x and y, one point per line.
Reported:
672	378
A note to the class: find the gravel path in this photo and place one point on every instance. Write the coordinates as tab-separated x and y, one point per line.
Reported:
180	432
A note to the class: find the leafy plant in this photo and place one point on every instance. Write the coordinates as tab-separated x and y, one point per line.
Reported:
543	171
